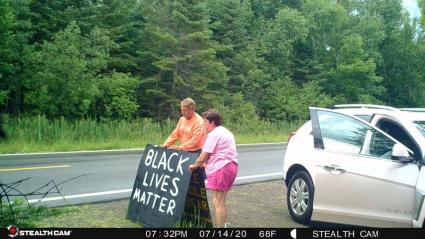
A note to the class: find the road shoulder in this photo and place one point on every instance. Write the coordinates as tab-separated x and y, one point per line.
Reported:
260	204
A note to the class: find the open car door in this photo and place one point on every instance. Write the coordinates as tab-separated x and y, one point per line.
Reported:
358	179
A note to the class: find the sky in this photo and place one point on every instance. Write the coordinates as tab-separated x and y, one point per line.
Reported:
412	7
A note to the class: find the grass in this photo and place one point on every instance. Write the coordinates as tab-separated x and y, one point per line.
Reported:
38	134
99	215
22	215
95	215
90	216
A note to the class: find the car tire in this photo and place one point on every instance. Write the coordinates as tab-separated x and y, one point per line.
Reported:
299	198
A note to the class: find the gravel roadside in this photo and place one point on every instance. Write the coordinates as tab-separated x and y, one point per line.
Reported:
259	205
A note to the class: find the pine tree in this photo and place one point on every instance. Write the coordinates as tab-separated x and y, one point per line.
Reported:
184	58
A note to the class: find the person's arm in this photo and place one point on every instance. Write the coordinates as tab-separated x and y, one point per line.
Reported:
199	161
174	136
198	133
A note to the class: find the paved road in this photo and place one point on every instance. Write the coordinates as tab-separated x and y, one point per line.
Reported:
109	175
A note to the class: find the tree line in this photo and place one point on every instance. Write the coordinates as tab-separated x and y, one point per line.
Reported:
251	59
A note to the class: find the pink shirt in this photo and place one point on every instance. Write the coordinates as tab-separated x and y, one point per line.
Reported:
220	143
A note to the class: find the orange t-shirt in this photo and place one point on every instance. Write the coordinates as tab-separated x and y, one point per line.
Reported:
191	133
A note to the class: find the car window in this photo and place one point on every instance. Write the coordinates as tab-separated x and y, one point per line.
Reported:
380	145
420	125
399	133
340	130
341	133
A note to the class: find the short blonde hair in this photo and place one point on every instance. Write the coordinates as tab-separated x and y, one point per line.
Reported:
188	102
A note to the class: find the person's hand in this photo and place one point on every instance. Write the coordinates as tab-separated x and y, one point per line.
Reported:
192	168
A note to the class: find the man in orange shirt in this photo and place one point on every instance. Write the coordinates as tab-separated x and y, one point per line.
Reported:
190	129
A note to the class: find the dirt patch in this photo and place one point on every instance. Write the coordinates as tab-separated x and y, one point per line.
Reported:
259	205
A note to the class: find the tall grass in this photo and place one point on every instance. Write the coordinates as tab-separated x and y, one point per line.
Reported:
262	131
38	134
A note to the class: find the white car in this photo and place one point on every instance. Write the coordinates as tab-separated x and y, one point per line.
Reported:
358	165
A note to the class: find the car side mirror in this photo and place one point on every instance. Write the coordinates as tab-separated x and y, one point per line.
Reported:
401	154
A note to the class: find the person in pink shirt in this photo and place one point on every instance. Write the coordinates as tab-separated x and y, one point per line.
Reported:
219	157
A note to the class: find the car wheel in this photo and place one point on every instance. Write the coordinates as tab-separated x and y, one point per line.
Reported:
300	197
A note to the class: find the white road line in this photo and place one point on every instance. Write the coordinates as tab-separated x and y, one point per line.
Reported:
81	195
129	189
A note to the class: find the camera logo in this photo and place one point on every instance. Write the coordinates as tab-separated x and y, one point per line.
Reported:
13	231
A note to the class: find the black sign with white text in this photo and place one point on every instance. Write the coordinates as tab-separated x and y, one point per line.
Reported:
160	189
196	207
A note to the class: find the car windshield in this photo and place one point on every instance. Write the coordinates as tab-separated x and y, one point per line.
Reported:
420	125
